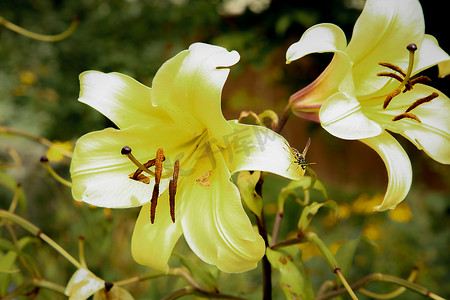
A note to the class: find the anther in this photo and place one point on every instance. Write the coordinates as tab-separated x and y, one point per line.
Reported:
173	189
389	98
422	101
406	115
158	171
393	67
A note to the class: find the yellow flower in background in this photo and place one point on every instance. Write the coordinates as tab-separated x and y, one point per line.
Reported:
174	154
402	213
58	150
370	87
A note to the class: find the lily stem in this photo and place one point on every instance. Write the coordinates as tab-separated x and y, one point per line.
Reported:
378	277
262	229
282	121
34	230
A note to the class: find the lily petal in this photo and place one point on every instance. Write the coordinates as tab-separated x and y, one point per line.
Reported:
318	39
83	284
398	167
431	54
152	244
215	224
260	149
384	27
120	98
100	173
431	134
341	116
189	87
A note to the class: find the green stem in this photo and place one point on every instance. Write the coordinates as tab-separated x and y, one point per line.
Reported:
378	277
329	257
41	37
137	278
284	117
49	285
37	232
40	139
262	229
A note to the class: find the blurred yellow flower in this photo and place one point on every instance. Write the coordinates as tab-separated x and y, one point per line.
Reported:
364	204
58	150
372	231
401	213
369	87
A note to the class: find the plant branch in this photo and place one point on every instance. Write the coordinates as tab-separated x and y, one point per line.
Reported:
378	277
41	37
284	117
34	230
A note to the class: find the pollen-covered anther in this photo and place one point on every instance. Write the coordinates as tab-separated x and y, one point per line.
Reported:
422	101
406	115
173	189
158	171
390	97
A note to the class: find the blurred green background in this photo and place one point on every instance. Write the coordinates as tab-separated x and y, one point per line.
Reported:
39	89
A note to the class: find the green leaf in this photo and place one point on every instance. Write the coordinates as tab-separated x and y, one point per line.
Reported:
7	245
246	183
345	255
311	210
7	265
293	280
269	118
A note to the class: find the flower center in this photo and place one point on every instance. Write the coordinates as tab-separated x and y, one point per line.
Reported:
406	84
157	174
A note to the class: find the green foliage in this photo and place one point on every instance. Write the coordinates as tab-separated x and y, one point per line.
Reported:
294	281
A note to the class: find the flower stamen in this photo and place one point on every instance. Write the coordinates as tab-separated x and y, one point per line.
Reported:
173	189
405	83
422	101
158	171
406	115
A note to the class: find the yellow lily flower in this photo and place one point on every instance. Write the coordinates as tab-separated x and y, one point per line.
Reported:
174	154
369	87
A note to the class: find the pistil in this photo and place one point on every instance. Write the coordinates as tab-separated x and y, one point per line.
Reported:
127	152
406	81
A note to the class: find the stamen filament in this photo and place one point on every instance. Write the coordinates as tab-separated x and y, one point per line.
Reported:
173	189
422	101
